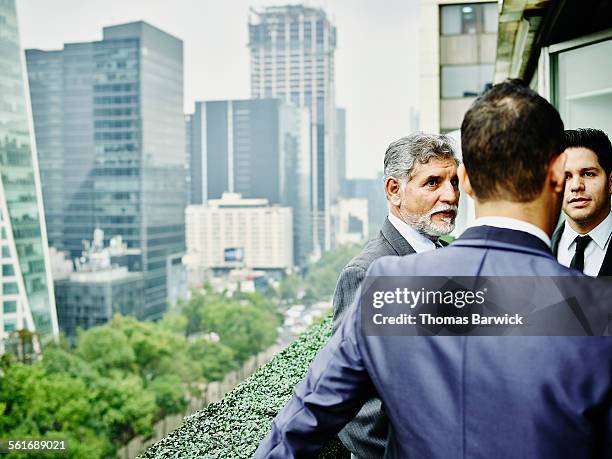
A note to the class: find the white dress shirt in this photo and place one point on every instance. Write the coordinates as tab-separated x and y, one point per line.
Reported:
513	224
419	242
595	252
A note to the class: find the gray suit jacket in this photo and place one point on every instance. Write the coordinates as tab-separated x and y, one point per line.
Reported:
366	435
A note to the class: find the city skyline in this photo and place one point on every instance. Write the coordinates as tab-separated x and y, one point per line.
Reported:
376	73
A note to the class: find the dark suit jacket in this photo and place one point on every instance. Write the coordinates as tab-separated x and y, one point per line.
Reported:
606	266
471	397
366	435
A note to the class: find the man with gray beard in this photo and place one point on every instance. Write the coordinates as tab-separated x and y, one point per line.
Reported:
422	191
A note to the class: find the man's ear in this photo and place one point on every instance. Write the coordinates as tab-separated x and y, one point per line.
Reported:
464	180
556	172
610	183
392	189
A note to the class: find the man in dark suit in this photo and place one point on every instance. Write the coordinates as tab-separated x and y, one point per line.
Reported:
473	396
422	190
583	241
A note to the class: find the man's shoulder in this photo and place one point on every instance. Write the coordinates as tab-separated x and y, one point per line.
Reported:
373	249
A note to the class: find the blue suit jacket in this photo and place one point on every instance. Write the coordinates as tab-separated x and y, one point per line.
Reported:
456	396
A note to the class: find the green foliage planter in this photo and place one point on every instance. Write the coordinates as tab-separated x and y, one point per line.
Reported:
234	427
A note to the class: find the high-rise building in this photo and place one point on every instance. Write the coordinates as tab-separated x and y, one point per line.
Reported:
109	118
457	59
292	58
188	152
259	148
340	157
233	232
26	293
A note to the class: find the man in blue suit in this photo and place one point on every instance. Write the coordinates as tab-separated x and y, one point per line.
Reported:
476	396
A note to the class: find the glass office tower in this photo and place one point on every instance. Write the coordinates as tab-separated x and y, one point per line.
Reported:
109	119
27	288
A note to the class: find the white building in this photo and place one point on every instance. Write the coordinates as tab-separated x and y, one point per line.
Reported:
351	221
233	232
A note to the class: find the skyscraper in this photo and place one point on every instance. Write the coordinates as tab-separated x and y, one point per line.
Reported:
292	58
27	288
259	148
340	157
109	119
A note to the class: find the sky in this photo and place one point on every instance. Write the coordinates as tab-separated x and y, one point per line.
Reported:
376	56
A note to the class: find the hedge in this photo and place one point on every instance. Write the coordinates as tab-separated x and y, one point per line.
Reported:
234	427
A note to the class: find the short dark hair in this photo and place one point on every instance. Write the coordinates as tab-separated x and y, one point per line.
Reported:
595	140
508	137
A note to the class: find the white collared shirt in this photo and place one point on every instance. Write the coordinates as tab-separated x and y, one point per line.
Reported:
595	252
513	224
417	241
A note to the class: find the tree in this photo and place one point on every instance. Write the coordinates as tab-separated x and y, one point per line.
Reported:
214	360
320	281
35	403
125	408
169	392
246	329
106	348
288	288
157	351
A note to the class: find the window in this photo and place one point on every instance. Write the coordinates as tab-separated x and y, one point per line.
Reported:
468	19
10	306
466	80
9	288
581	78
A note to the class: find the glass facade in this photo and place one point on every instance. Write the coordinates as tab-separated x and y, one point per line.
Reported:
117	158
466	80
25	277
91	302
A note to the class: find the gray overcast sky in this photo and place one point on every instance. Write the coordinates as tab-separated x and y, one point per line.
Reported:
376	57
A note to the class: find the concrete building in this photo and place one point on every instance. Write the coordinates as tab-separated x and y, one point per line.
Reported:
351	221
99	288
234	232
457	59
292	57
109	122
26	294
259	148
564	51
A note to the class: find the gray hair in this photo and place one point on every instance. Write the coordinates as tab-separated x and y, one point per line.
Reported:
403	154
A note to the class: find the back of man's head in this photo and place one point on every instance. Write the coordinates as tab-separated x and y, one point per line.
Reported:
508	138
595	140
